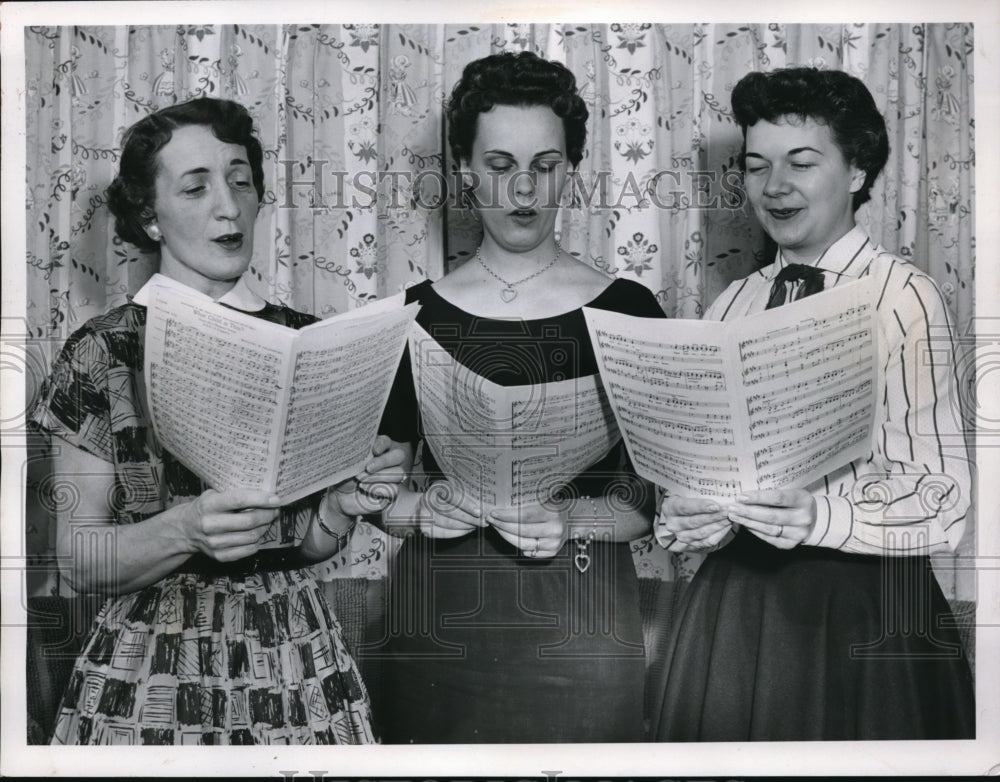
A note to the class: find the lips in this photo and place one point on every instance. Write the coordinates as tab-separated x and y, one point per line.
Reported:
230	242
783	214
524	214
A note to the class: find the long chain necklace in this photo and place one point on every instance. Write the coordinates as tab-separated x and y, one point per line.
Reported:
508	292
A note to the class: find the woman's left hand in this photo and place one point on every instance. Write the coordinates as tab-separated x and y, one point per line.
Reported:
782	517
534	529
373	490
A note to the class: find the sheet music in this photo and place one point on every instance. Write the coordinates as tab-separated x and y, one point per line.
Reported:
504	446
246	403
777	399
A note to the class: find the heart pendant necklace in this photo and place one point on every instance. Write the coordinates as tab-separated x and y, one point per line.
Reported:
508	292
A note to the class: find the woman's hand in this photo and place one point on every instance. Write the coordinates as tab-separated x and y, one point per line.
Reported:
782	517
692	524
373	490
446	513
227	525
536	530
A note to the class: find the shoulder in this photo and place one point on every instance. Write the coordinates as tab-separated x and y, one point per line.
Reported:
738	290
419	291
905	288
112	335
630	298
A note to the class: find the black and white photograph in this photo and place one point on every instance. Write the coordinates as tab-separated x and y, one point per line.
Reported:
502	391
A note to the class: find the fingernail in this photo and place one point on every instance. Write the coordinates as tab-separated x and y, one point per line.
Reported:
274	499
742	498
713	508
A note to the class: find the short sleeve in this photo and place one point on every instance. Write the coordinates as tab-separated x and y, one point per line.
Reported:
629	298
73	403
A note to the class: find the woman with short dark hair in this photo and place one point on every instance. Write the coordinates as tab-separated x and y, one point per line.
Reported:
821	617
205	637
516	624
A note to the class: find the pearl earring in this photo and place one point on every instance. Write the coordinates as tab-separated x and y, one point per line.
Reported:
154	232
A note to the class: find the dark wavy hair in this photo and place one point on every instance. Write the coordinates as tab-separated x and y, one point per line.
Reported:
509	79
834	98
132	193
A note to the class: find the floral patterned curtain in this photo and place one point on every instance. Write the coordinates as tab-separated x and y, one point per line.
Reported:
356	160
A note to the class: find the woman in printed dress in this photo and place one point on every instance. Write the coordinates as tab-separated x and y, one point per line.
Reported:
205	637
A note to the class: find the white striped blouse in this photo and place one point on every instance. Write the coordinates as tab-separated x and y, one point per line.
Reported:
911	495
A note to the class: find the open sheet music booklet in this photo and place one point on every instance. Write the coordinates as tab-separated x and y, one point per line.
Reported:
504	446
776	399
246	403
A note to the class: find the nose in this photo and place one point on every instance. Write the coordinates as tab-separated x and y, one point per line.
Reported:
226	205
776	183
524	183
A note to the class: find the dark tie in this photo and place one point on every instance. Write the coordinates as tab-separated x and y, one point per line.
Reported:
810	276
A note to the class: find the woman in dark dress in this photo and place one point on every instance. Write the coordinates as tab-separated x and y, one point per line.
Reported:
821	617
516	624
205	638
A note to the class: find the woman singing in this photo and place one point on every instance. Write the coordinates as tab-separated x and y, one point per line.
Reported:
205	638
516	624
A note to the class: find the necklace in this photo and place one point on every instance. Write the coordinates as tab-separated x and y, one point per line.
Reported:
507	293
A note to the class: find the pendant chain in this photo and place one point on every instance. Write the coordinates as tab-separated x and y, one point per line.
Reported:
507	293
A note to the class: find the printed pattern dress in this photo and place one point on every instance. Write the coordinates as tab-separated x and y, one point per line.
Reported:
242	653
483	644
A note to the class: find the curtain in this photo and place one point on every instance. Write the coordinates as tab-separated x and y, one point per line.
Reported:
357	166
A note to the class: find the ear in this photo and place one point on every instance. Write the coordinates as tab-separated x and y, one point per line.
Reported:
857	178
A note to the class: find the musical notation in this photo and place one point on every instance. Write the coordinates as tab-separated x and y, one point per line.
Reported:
787	395
505	443
246	403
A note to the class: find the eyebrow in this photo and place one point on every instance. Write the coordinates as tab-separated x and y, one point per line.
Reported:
505	153
236	161
790	152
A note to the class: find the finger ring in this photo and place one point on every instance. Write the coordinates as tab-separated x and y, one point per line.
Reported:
781	531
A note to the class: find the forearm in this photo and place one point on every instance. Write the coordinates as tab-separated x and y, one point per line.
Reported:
900	516
329	531
116	559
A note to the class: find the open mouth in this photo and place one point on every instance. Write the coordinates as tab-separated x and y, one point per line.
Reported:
524	214
230	241
783	214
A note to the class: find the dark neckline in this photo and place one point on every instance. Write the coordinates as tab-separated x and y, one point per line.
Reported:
429	285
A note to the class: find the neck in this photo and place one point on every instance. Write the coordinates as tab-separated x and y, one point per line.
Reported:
214	289
512	261
808	256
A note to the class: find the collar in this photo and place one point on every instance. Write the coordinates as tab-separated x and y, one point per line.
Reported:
239	297
846	256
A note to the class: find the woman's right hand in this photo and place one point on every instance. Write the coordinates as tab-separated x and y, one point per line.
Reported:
446	513
692	524
228	525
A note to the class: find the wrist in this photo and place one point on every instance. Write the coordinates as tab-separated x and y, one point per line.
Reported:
179	520
332	520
